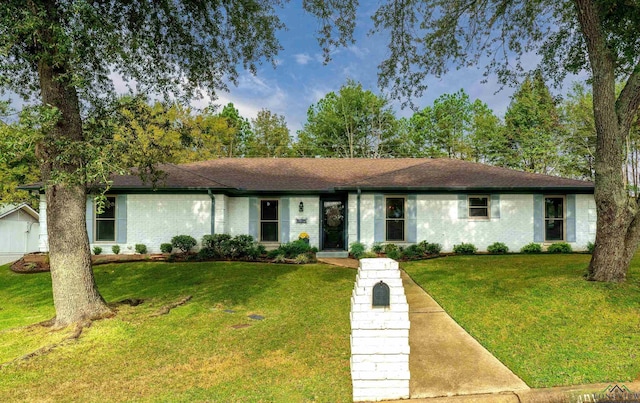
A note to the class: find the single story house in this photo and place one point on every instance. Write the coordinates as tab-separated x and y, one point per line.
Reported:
19	231
341	201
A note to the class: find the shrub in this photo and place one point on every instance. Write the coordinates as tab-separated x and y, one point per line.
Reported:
97	250
302	258
390	247
166	248
183	242
377	248
292	249
591	247
217	246
464	249
240	246
357	249
369	255
141	248
413	252
498	248
430	248
279	259
115	249
531	248
395	254
559	247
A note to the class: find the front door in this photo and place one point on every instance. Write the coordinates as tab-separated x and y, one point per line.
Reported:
333	223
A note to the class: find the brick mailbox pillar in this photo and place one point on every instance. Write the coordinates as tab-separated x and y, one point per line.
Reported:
379	333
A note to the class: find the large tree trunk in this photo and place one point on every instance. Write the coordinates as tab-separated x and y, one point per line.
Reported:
618	230
75	295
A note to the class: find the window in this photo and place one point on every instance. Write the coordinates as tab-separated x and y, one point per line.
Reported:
106	222
395	216
269	220
478	206
554	218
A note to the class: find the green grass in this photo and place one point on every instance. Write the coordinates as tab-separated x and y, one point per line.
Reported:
299	352
540	317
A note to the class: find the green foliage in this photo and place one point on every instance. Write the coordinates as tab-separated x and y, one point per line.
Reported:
591	247
270	136
413	252
279	258
377	248
292	249
357	249
115	249
369	255
430	248
97	250
166	247
464	249
141	248
531	248
394	253
559	247
216	245
223	246
353	123
498	248
302	258
532	128
183	242
390	247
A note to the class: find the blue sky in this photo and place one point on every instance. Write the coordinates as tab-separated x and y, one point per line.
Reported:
301	79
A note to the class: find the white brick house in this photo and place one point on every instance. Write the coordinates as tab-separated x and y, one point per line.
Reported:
341	201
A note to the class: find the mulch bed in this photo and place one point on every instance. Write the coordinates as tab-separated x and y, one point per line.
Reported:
38	262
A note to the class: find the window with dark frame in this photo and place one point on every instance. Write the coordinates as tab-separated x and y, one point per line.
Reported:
269	221
105	222
395	219
554	218
478	206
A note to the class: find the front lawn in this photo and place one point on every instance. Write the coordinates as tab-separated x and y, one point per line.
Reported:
197	352
539	316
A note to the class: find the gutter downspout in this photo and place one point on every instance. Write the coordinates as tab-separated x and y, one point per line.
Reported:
213	211
358	215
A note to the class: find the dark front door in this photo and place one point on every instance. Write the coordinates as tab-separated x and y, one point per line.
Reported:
333	223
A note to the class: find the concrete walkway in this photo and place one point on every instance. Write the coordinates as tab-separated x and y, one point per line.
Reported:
445	360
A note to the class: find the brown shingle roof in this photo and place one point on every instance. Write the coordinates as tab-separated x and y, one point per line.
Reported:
327	174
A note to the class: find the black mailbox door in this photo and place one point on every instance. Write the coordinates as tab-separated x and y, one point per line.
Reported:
381	297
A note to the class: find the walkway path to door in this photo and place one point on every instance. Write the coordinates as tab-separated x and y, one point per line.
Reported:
445	360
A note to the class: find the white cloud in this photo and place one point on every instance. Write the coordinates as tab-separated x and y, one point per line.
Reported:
302	58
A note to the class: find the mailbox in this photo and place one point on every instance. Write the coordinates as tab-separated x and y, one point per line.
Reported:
381	295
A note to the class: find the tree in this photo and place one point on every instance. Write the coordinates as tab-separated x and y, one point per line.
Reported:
270	136
353	123
532	128
579	143
454	127
64	51
18	163
599	37
241	131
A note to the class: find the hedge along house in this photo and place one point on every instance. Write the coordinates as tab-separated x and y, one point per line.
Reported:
341	201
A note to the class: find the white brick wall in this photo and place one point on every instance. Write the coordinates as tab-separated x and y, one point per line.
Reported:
156	218
437	218
379	336
311	214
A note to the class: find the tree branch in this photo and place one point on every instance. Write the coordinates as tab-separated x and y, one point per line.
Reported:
628	102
